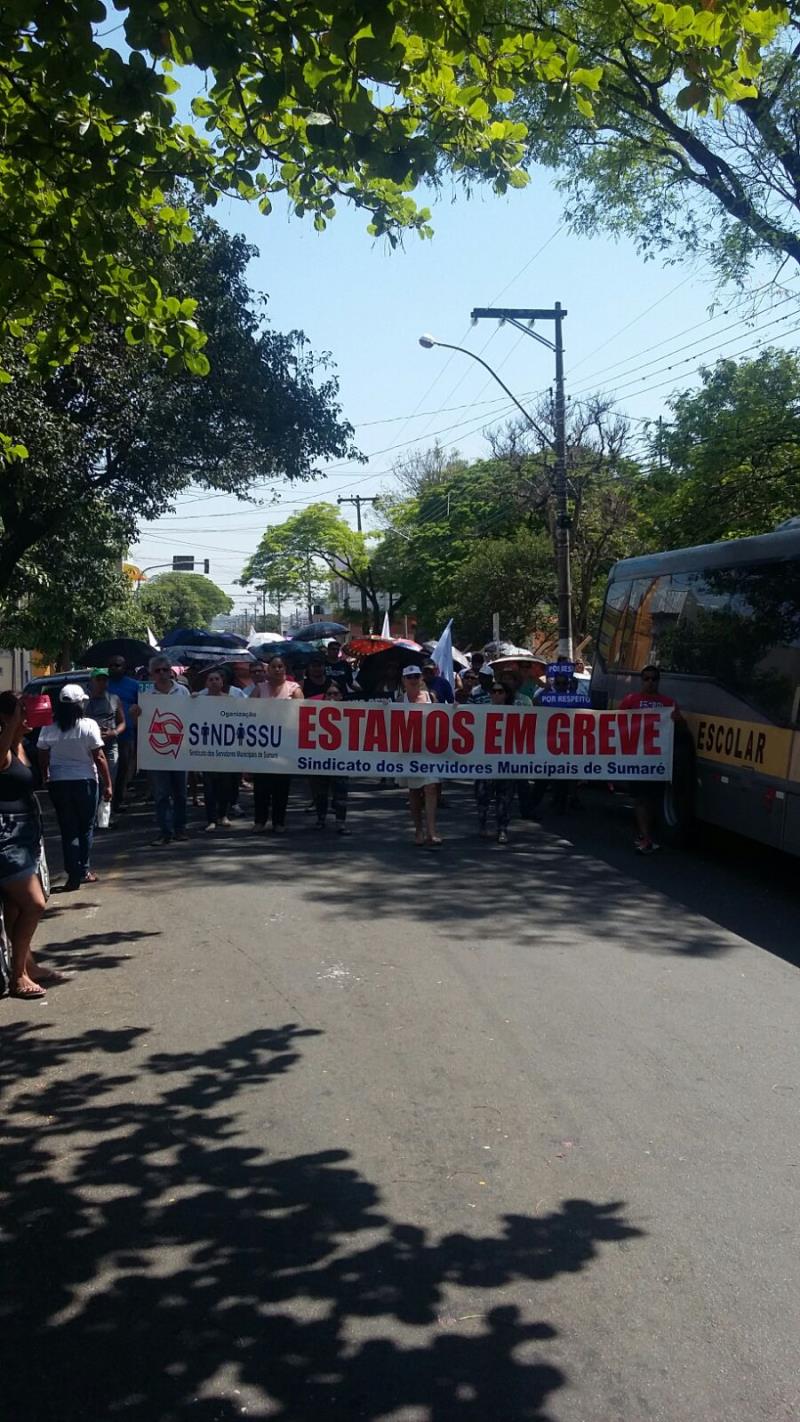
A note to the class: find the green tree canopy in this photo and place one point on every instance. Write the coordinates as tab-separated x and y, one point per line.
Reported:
324	102
673	151
181	600
732	452
71	592
309	549
455	507
119	429
514	577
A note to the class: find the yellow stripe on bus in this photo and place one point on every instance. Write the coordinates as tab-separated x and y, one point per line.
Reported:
751	745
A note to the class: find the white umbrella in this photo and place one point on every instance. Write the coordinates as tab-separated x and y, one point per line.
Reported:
257	639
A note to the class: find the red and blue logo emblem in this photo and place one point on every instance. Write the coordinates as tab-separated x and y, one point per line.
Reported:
165	734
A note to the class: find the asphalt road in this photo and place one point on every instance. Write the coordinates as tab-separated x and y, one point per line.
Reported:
341	1129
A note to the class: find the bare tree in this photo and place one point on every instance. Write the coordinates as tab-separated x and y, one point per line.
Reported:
603	484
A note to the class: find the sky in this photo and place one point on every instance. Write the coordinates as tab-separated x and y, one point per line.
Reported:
635	329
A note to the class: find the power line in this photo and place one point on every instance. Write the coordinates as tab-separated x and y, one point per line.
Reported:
667	340
609	341
673	364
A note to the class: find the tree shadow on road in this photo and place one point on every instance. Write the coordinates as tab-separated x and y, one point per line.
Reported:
86	949
551	885
163	1268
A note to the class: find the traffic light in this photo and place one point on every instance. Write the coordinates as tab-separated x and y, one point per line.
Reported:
206	565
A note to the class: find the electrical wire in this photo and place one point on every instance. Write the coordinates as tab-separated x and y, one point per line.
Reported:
675	364
636	356
636	319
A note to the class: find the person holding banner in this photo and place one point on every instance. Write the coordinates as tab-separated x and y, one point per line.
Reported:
562	689
271	792
496	791
331	789
168	786
423	791
220	787
648	797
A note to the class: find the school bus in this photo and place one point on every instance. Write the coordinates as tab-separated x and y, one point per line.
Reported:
722	621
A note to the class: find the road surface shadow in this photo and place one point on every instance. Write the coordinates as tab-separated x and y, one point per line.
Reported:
578	868
164	1267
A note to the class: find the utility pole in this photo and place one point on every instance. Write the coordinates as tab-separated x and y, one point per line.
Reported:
523	318
309	601
358	500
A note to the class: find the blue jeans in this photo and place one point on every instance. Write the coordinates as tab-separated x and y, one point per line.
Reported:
111	749
169	795
75	804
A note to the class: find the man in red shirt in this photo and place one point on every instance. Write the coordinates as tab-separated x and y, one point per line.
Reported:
647	798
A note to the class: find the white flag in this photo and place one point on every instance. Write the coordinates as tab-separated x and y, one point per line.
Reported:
151	639
251	636
386	630
442	654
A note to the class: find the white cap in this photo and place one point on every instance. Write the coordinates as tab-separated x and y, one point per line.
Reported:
72	692
412	671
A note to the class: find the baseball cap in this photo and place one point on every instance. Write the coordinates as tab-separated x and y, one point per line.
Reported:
412	671
486	670
72	692
99	671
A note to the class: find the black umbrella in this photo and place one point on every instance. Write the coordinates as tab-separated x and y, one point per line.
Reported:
291	651
136	653
313	631
181	655
199	637
378	665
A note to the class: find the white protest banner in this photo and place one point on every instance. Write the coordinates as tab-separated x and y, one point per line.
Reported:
312	737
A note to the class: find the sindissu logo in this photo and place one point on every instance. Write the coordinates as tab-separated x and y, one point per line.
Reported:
165	733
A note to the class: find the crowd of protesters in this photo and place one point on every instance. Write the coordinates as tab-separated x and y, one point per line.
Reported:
85	758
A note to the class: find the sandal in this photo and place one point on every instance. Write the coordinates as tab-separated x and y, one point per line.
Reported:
52	975
90	878
433	841
28	994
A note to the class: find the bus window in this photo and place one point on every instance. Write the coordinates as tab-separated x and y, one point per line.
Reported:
638	642
695	625
765	603
740	627
611	628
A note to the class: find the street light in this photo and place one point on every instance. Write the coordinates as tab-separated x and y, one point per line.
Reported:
562	559
428	342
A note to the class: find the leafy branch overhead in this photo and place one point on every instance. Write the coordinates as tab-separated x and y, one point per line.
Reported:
321	102
691	142
117	433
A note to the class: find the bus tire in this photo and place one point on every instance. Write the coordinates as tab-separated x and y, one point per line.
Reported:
678	818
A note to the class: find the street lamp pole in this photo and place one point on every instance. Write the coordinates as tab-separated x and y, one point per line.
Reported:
522	318
559	449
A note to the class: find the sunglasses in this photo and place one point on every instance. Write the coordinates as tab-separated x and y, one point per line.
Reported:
411	676
495	689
